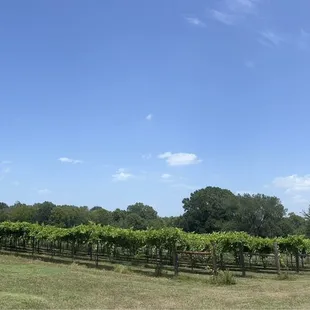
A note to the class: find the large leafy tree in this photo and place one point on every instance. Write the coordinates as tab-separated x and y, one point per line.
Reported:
69	216
260	215
100	215
43	212
293	224
144	211
22	212
3	206
206	210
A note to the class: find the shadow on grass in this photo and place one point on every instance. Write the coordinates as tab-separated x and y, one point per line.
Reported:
145	269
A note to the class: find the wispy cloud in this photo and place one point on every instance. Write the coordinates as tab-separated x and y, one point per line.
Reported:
70	160
195	21
4	168
166	176
270	38
303	40
5	162
3	172
223	17
121	175
149	117
180	159
231	12
44	191
146	156
242	6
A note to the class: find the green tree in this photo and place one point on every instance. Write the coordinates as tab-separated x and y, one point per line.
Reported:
4	208
101	216
43	212
259	215
69	216
21	212
208	209
134	221
144	211
293	224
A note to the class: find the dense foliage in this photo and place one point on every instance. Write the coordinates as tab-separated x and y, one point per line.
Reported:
207	210
170	239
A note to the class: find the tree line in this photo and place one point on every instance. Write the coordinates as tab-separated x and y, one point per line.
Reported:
207	210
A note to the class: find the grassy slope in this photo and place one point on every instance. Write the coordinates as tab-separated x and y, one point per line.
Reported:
34	284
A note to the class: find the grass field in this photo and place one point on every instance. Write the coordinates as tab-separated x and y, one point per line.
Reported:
33	284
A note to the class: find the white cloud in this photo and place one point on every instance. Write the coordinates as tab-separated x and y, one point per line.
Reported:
180	159
249	64
166	176
223	17
149	117
44	191
195	21
270	38
293	183
121	175
146	156
70	160
231	12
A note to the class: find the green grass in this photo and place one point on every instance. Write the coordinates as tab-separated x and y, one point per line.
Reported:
33	284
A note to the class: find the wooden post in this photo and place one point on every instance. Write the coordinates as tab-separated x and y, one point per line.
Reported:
214	258
222	261
297	260
90	250
192	262
175	262
32	244
72	250
97	255
277	258
242	264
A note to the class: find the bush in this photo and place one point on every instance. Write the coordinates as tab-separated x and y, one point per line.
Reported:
223	278
285	276
122	269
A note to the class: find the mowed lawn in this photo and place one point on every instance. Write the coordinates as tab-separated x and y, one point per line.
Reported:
33	284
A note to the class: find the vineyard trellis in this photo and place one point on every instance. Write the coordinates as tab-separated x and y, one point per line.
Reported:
160	247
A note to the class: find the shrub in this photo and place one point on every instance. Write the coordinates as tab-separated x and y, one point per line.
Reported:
285	276
122	269
225	277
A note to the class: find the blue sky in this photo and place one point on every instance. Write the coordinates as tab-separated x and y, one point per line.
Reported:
113	102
